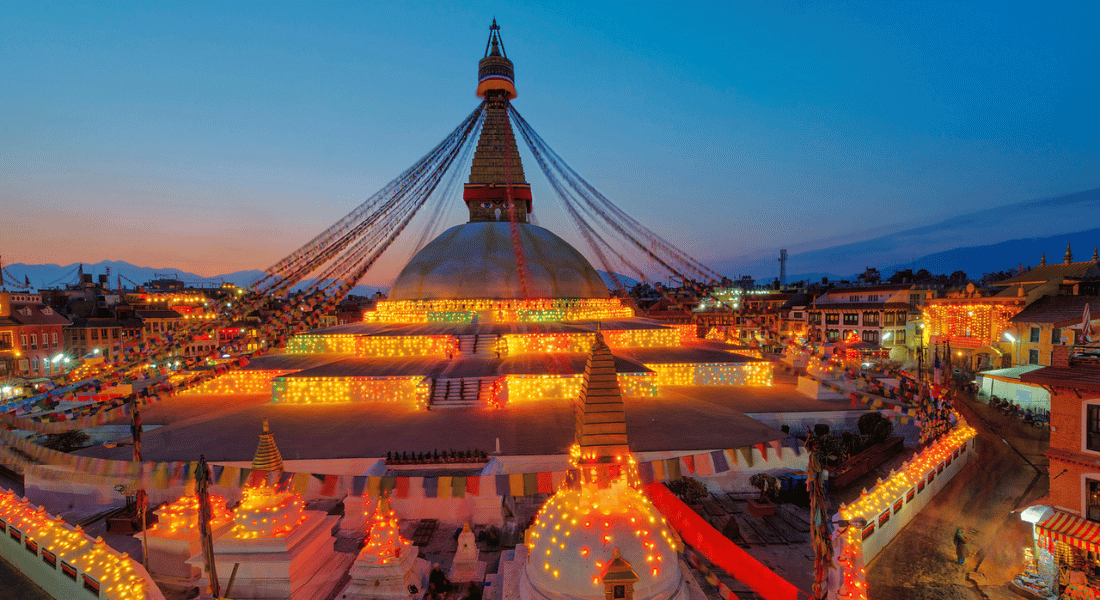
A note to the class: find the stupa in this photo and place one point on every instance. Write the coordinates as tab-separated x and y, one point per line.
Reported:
466	566
387	565
600	530
278	549
491	312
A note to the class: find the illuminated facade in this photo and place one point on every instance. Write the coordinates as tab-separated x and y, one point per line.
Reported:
974	327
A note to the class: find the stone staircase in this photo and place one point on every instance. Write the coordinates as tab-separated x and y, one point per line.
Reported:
466	392
479	345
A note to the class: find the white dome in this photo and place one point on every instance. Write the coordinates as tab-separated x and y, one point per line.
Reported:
577	532
478	260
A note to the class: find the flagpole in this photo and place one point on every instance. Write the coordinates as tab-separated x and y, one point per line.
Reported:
142	497
202	483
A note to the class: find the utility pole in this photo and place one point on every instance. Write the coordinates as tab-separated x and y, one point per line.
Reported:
782	268
202	490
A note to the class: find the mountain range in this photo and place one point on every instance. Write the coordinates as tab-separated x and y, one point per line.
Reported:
51	275
987	240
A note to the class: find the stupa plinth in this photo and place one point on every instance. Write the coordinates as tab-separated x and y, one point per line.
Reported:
175	537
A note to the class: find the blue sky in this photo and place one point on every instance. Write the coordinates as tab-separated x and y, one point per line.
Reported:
214	137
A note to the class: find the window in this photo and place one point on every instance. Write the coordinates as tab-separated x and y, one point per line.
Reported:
34	365
901	318
1034	338
815	318
870	336
34	342
796	315
1033	356
1092	498
888	319
899	337
853	298
1055	335
620	591
872	298
917	299
851	318
833	335
93	334
53	337
832	318
81	335
1092	428
870	319
23	341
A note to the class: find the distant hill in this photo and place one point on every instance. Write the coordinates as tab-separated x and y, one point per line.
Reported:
50	275
1048	219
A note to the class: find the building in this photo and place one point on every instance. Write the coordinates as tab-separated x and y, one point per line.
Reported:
971	327
32	340
107	336
1045	323
1048	280
1067	524
879	315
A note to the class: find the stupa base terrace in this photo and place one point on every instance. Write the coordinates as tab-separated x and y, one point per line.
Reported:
455	364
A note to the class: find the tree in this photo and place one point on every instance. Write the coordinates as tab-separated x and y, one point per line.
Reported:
869	275
902	276
875	426
688	489
767	485
922	276
67	441
958	279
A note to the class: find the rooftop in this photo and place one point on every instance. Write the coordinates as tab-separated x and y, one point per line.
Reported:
1058	310
1045	273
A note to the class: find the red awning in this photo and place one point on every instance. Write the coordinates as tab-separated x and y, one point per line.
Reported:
1072	530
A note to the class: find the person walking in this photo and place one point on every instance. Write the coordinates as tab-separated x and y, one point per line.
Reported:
960	545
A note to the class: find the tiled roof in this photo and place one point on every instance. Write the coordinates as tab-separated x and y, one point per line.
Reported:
1058	309
159	314
893	287
1011	372
36	316
1079	378
1044	273
862	306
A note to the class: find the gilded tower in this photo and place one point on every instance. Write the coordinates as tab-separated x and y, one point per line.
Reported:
497	190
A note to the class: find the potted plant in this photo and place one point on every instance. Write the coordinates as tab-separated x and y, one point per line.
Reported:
768	486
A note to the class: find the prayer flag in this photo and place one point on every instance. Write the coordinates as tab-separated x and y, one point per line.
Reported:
402	487
458	486
443	487
545	484
530	484
718	459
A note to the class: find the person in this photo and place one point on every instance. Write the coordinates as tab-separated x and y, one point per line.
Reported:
960	545
473	592
437	581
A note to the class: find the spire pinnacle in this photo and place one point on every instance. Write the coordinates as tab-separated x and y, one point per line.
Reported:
601	418
1096	253
267	456
1043	259
1069	255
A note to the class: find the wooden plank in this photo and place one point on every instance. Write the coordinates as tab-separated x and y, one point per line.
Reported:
735	506
784	530
729	505
748	532
712	508
794	518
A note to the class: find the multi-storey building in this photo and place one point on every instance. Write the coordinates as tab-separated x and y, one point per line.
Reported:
1067	523
971	327
1046	323
107	336
31	337
878	315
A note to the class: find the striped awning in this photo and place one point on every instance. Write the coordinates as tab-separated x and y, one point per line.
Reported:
1072	530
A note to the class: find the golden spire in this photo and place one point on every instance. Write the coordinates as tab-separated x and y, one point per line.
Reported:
267	453
1069	255
1043	259
601	419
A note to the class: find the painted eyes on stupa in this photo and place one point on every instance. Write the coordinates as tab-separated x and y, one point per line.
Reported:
486	205
490	205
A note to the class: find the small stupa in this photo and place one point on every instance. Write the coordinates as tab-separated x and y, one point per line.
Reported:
466	566
387	565
277	547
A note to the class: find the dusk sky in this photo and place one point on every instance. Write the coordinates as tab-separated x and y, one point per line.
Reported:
216	137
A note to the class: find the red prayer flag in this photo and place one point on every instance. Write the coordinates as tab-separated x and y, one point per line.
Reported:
545	483
401	487
328	488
